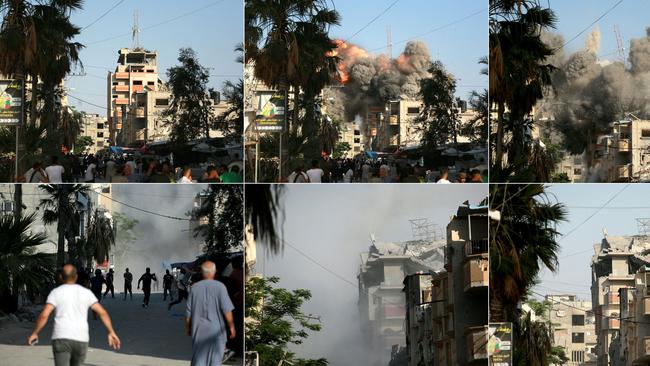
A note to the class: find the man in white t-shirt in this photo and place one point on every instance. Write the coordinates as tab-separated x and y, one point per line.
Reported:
55	171
315	174
186	178
91	171
444	177
70	335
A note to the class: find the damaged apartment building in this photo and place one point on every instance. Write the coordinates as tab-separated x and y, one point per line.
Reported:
574	328
618	296
623	155
381	301
446	316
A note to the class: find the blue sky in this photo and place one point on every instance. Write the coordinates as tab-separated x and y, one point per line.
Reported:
573	16
458	46
212	32
332	224
618	218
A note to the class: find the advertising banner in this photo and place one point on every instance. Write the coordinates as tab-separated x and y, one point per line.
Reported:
12	96
271	112
500	344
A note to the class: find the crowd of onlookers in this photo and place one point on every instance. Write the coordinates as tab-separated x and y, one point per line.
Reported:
377	171
124	169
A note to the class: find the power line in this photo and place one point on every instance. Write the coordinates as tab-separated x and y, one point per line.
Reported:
373	20
435	29
103	15
158	24
143	210
590	25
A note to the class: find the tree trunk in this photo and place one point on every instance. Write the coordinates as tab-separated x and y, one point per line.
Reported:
497	313
34	102
60	249
499	148
18	201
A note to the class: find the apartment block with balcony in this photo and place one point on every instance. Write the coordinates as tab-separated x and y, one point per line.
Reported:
351	133
96	127
574	328
632	346
613	267
624	152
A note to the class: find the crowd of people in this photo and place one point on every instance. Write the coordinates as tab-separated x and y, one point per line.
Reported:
214	309
377	171
123	169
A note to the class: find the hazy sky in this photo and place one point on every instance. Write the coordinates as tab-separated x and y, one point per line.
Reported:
332	224
574	16
458	46
213	31
618	218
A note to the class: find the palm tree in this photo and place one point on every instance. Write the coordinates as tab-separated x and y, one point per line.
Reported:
22	269
518	72
522	242
62	207
262	207
100	236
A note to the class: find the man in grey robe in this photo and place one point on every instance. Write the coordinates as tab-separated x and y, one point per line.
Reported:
209	311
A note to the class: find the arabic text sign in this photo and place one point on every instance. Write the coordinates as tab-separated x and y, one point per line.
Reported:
500	344
271	112
12	96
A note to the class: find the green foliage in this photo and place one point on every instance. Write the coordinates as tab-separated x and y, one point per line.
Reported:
523	242
223	206
560	178
438	119
533	342
125	228
477	128
541	308
341	149
276	321
231	122
82	144
190	114
558	356
23	270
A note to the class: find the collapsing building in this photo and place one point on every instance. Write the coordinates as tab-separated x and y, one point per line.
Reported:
381	302
446	310
614	266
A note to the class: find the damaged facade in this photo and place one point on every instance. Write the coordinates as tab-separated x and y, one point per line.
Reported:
624	153
381	301
446	321
614	266
574	328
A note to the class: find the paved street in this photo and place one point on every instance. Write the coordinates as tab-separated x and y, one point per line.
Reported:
150	337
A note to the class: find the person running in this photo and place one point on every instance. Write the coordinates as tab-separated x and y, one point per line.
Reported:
183	285
55	171
128	284
146	279
167	285
70	303
208	312
110	276
315	174
96	284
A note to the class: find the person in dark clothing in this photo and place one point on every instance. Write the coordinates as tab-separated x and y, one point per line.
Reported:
167	286
183	288
109	283
146	279
96	284
128	281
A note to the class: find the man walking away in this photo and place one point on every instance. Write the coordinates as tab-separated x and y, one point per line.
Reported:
183	288
110	276
70	335
128	281
96	284
167	286
146	279
209	310
55	171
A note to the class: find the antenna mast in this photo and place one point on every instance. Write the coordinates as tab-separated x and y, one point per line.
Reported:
389	42
136	30
619	45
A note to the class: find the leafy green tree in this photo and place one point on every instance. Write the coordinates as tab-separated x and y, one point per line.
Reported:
125	228
532	342
276	321
23	270
519	72
477	127
100	235
231	122
341	149
190	114
224	228
438	119
62	208
522	242
82	144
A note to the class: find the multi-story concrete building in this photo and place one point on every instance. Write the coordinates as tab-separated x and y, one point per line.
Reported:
574	328
447	310
96	127
613	267
136	97
624	153
351	133
381	301
632	346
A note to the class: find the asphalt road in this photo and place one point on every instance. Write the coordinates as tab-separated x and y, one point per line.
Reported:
150	337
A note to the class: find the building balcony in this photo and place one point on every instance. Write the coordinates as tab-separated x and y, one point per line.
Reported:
646	305
623	145
139	112
611	324
612	298
137	88
476	274
623	171
121	75
121	88
121	101
394	120
476	343
476	247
